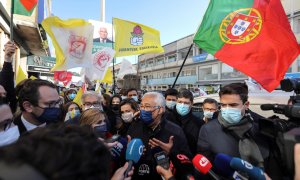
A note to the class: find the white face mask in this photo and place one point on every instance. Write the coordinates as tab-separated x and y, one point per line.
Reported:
127	117
9	136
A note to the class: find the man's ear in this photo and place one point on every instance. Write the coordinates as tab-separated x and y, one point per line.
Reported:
27	106
247	104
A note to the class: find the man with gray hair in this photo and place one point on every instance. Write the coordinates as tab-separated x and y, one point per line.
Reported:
157	134
89	99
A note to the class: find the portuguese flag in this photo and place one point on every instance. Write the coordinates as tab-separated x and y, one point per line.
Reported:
24	7
252	36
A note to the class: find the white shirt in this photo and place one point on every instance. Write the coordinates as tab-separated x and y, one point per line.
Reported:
30	126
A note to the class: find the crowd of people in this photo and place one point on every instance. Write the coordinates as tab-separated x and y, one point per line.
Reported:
45	135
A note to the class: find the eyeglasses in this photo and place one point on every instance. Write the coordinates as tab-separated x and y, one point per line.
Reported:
6	124
52	104
149	108
95	104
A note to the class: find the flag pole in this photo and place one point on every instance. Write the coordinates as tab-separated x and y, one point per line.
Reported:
12	20
173	86
112	36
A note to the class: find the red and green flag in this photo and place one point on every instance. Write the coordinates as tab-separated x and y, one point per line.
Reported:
24	7
252	36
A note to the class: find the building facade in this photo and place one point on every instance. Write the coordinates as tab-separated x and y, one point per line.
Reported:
28	35
201	70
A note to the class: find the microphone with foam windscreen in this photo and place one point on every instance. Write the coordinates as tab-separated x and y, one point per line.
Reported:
244	166
183	165
134	152
203	165
223	168
119	149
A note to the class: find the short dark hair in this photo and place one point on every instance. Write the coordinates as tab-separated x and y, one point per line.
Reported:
186	94
210	101
61	152
30	91
240	89
131	89
171	92
133	104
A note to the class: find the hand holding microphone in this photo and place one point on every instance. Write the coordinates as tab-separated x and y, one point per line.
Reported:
134	152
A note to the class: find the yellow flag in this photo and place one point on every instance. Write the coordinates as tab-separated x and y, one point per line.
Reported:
72	40
32	77
20	75
77	98
108	77
134	38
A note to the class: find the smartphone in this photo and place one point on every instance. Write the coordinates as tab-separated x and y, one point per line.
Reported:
162	159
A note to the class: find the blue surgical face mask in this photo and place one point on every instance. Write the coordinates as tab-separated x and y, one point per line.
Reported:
208	114
146	117
101	130
182	109
72	114
9	136
135	98
231	115
49	115
170	104
72	96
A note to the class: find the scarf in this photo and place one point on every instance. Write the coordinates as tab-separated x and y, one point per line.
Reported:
248	149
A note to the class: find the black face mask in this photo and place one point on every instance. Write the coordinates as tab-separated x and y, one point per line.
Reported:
115	107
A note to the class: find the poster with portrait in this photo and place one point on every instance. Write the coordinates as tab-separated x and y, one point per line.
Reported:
103	34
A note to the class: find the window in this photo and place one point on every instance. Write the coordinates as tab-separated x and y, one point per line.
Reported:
171	58
208	72
150	64
193	72
142	65
160	61
230	73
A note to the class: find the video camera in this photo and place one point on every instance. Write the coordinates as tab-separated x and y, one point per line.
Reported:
284	133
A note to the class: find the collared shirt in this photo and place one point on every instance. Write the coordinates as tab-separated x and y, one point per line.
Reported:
29	126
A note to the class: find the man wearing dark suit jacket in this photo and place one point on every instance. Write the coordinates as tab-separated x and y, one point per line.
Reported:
103	36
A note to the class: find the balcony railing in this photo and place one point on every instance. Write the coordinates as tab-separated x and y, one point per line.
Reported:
170	81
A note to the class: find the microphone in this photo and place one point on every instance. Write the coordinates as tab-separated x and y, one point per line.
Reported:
222	166
184	168
277	108
243	166
134	152
203	165
119	149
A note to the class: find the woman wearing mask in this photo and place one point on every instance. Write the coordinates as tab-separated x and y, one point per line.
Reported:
70	110
96	119
129	111
70	95
113	112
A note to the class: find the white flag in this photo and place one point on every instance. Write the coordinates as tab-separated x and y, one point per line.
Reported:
126	68
100	62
